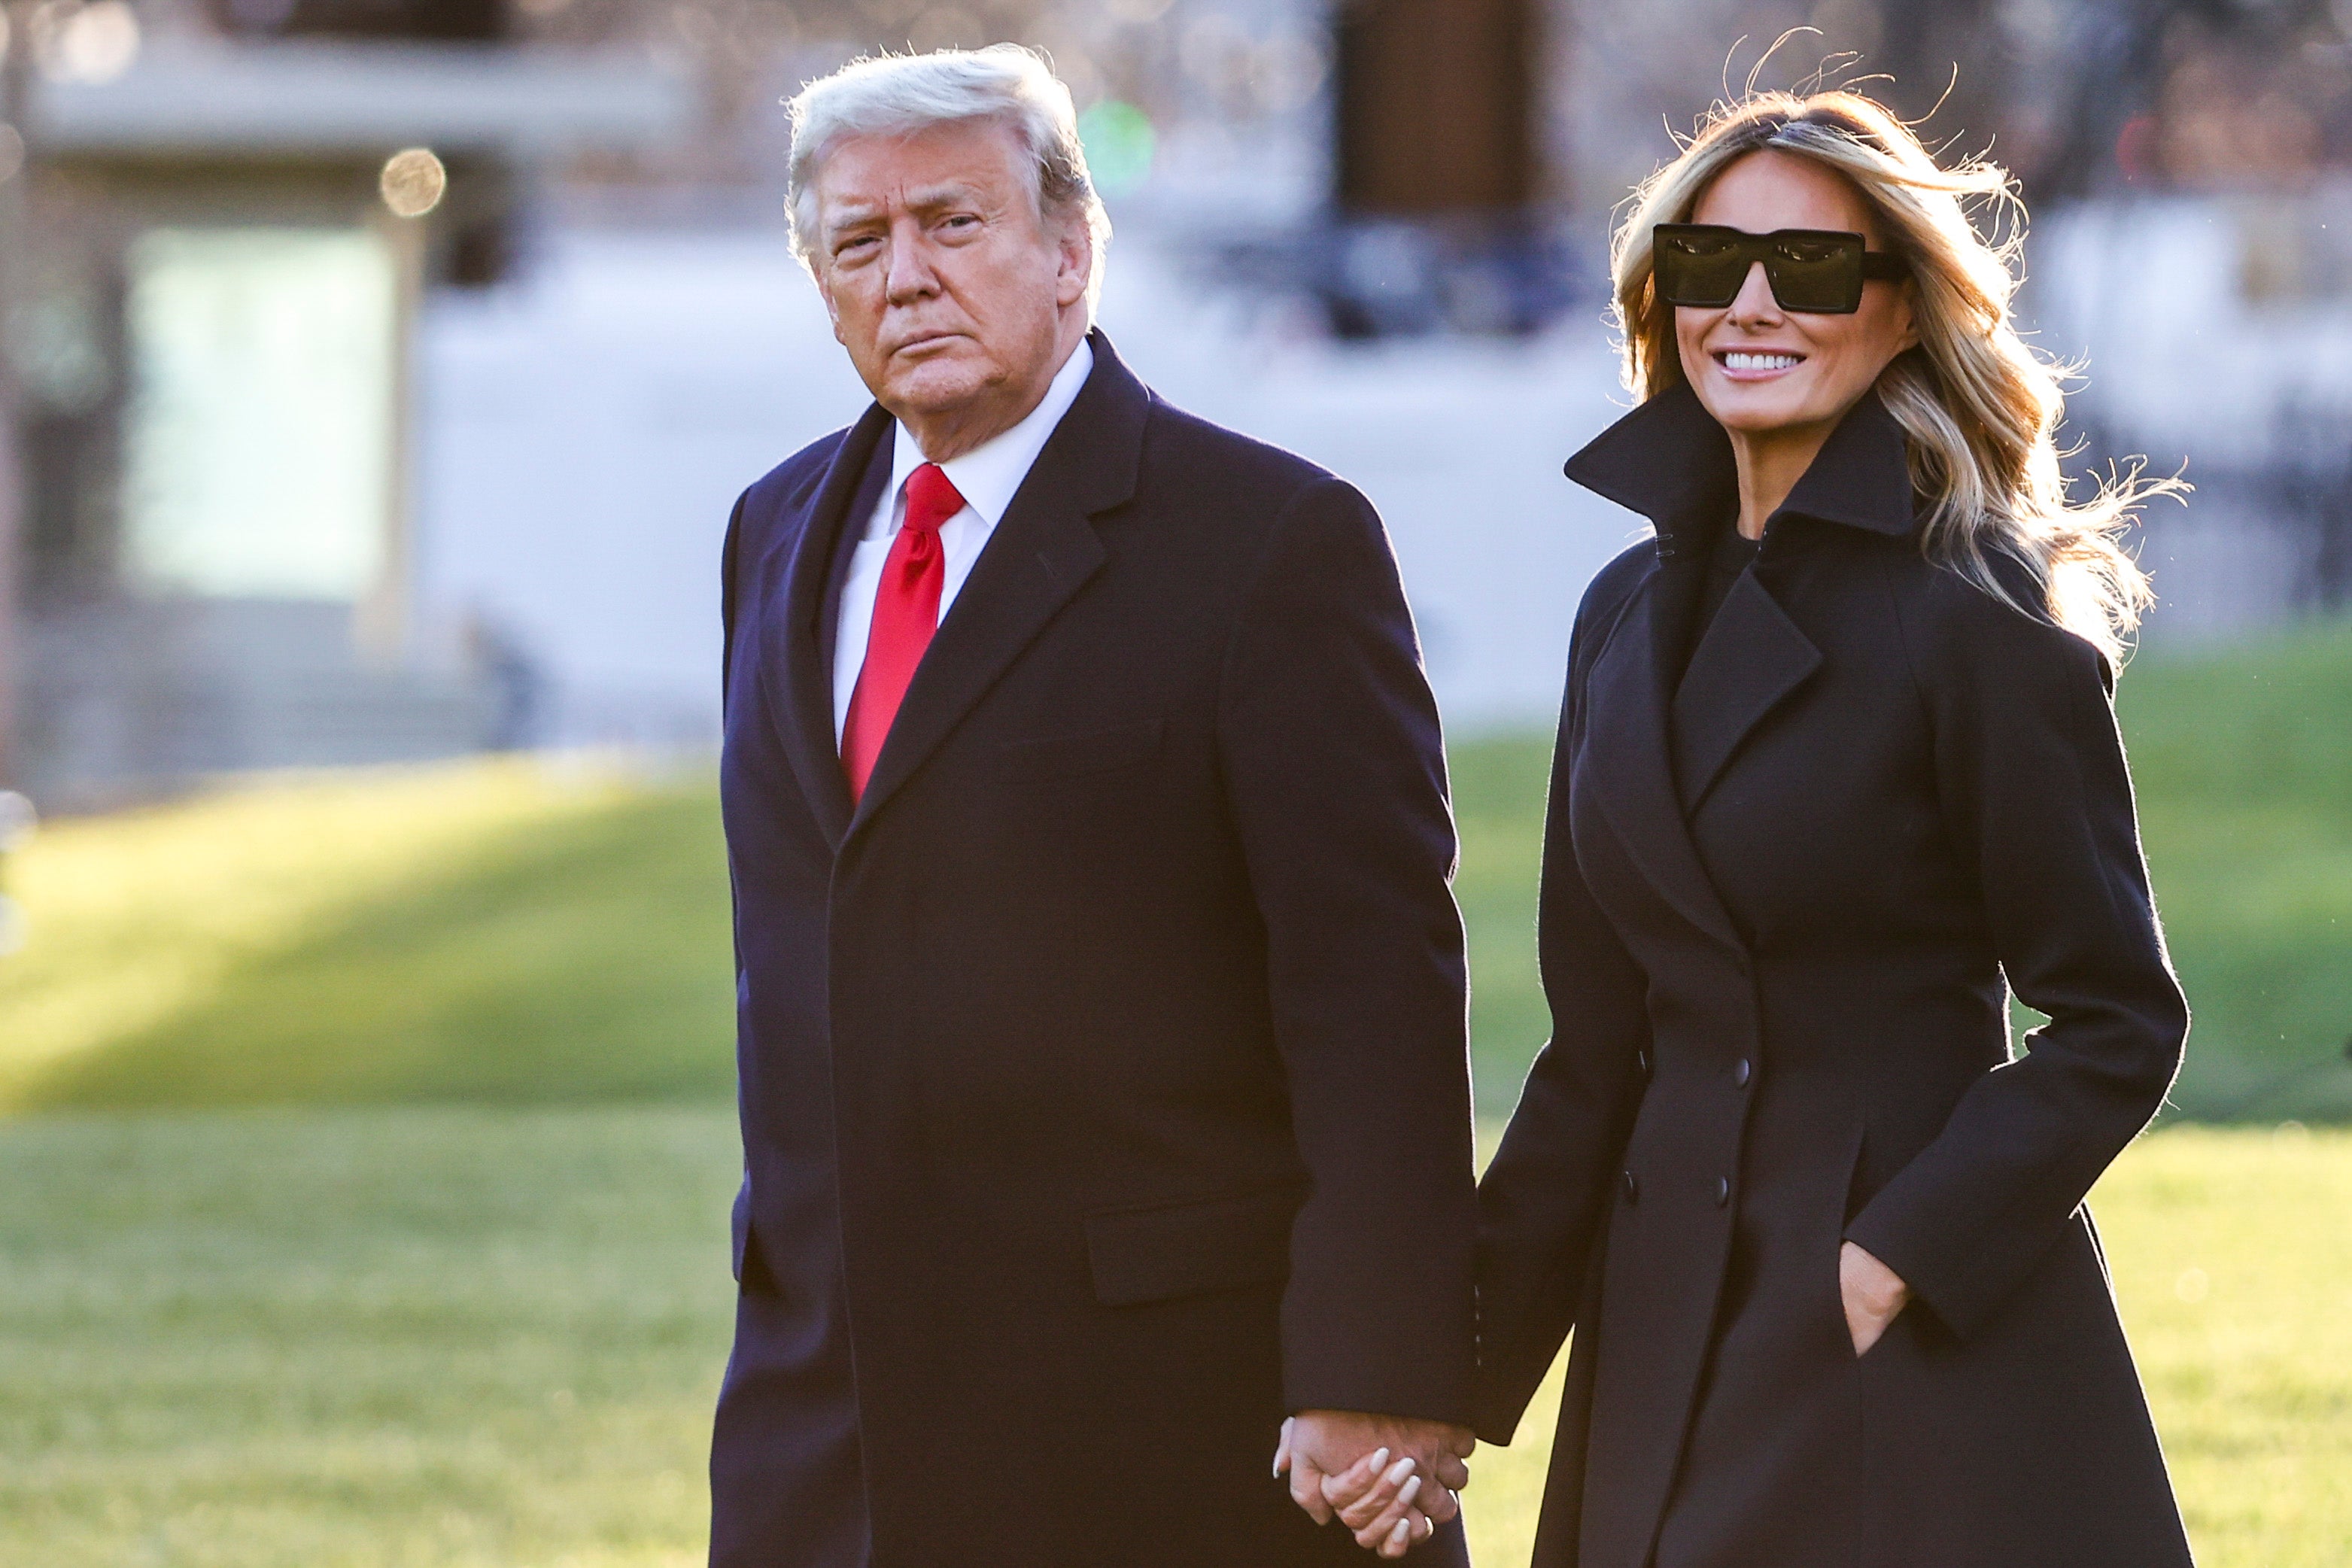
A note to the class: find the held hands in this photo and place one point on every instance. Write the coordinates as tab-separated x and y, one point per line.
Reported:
1875	1296
1389	1479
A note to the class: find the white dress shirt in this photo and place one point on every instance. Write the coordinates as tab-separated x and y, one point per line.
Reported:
987	478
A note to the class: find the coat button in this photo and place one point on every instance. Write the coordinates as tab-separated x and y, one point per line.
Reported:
1722	1190
1632	1188
1742	1073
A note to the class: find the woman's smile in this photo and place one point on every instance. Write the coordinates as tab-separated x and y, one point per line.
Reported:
1756	364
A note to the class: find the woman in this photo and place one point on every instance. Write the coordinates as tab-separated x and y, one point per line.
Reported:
1836	757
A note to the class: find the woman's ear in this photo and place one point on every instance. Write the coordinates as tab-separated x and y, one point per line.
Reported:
1909	337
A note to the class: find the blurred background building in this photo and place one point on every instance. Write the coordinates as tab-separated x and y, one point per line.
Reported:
380	371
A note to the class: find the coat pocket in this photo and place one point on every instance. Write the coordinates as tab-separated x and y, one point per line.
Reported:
1069	756
1850	1184
1167	1251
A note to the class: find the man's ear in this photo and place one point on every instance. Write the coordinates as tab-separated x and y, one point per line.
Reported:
1077	262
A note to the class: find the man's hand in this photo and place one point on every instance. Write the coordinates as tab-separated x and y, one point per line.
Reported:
1389	1479
1875	1296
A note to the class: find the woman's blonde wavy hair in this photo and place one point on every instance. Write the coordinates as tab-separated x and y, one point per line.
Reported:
1980	408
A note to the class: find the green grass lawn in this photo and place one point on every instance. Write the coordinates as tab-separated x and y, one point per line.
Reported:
406	1338
364	1151
2244	765
428	1337
497	932
516	932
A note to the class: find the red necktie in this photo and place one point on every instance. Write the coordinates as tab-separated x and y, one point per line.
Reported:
906	613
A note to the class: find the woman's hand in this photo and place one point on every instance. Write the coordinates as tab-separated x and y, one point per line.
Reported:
1376	1499
1875	1296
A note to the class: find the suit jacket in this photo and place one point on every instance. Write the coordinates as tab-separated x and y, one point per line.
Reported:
1104	1076
1782	890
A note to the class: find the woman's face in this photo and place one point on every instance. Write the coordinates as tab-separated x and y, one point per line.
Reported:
1757	368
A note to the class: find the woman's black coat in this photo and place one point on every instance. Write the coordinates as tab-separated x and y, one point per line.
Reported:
1781	890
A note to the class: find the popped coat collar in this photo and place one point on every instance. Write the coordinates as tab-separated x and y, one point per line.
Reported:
1042	552
1669	460
1658	736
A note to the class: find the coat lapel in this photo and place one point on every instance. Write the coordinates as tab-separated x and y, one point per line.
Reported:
1626	739
1751	656
1625	748
1042	552
797	665
1659	737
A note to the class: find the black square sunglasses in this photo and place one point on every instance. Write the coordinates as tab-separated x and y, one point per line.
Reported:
1818	272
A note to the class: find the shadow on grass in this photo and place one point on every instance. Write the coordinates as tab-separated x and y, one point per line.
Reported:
575	960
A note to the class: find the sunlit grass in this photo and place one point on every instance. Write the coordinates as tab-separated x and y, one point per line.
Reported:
512	932
378	1329
461	1339
453	1338
2244	764
490	930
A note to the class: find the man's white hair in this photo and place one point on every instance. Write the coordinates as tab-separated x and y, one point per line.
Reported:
896	95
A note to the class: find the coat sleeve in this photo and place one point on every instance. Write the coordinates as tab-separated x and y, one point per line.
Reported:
730	552
1542	1202
1336	778
2038	803
739	1219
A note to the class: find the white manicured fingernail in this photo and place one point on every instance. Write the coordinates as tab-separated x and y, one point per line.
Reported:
1412	1491
1380	1458
1402	1469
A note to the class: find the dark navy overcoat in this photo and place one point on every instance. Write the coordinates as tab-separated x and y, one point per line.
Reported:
1781	893
1104	1075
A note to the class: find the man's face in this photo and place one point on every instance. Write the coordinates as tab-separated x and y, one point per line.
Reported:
952	295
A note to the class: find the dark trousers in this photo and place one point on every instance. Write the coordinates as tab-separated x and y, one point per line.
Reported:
787	1488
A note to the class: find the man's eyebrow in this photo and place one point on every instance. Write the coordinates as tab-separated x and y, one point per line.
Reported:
954	193
854	209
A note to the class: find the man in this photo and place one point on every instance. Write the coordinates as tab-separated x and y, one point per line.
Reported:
1104	1087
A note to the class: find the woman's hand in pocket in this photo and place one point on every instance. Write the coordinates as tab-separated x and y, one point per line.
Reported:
1875	1296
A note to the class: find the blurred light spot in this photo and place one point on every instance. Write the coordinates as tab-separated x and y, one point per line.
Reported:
413	182
12	152
1120	142
5	33
2192	1286
2291	1131
93	43
12	927
1140	12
